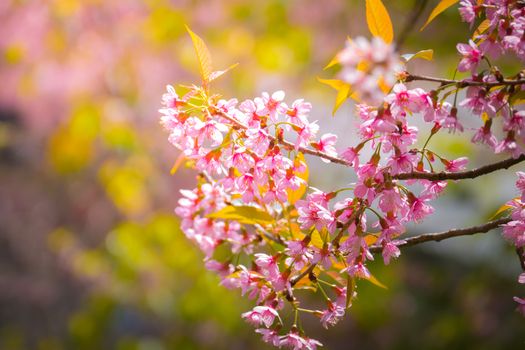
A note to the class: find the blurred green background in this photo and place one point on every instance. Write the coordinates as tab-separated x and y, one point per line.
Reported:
91	256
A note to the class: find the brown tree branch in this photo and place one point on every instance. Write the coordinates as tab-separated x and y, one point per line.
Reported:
439	236
469	174
464	83
294	280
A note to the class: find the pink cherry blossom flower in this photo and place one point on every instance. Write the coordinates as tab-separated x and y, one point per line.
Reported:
272	105
261	315
294	341
358	270
471	56
390	250
269	336
521	305
298	113
468	10
418	209
326	145
306	134
332	315
456	164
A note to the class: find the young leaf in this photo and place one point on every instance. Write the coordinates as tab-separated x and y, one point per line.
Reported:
316	239
502	209
375	281
350	287
483	26
203	55
370	239
332	63
341	97
295	195
442	6
219	73
243	214
177	163
378	20
424	54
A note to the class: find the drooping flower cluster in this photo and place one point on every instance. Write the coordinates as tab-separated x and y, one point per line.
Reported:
264	232
501	31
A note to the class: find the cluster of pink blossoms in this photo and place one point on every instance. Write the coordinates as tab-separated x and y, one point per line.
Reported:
250	215
504	27
514	231
503	33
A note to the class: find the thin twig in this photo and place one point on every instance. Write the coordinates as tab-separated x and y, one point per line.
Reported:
286	144
294	280
464	83
469	174
439	236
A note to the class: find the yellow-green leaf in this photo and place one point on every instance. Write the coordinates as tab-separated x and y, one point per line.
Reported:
350	287
375	281
370	239
343	91
177	163
341	97
203	55
442	6
316	239
378	20
219	73
502	209
332	63
483	26
424	54
244	214
295	195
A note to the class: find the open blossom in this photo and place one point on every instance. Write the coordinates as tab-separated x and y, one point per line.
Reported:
261	315
471	56
332	314
294	341
269	336
327	145
468	10
514	231
521	305
456	164
390	250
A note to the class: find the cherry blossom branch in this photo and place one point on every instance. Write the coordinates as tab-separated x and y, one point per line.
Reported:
464	83
297	278
439	236
469	174
286	144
